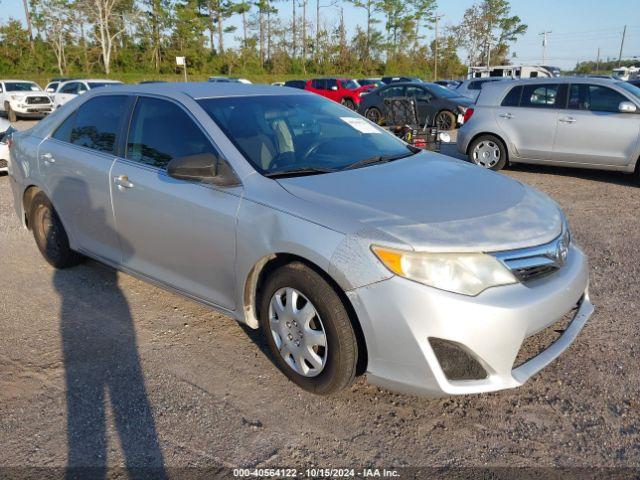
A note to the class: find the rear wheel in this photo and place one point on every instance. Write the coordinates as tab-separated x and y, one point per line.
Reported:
350	104
308	329
50	235
489	152
374	114
445	120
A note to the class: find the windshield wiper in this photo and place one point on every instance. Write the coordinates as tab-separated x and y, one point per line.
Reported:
297	172
382	158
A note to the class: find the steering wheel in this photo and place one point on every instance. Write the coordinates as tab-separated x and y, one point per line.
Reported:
313	149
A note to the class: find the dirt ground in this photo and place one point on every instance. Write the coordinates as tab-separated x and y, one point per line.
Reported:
97	368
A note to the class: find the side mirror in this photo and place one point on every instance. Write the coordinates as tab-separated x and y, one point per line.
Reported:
203	167
50	90
627	107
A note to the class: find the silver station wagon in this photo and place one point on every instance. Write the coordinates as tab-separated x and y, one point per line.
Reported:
352	251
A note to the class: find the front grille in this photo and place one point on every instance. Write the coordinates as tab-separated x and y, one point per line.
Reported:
3	163
533	263
456	362
37	100
537	343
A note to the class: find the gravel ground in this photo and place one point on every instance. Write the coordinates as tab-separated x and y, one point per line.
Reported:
155	379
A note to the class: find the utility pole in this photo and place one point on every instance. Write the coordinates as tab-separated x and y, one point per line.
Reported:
544	46
598	61
489	33
435	57
28	16
624	34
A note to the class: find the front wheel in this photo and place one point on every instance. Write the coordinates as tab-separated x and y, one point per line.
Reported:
11	114
374	115
308	329
489	152
50	235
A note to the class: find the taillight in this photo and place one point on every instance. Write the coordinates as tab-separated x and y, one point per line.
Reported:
468	114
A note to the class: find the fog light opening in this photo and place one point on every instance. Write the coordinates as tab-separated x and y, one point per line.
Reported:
456	362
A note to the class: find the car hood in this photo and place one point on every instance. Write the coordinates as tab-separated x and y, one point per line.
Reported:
431	203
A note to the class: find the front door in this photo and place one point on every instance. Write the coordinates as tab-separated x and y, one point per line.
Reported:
593	131
75	163
177	232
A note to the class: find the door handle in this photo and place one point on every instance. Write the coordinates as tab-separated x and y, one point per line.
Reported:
48	158
567	120
122	182
508	116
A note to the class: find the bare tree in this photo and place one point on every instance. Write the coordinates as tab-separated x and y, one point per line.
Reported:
109	18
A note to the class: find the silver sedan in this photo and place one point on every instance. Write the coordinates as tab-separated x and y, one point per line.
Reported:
351	250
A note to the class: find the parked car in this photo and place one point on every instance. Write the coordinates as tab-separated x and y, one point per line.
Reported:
350	250
471	88
5	131
579	122
229	80
23	99
374	82
450	84
71	89
52	86
346	91
635	82
300	84
436	105
388	80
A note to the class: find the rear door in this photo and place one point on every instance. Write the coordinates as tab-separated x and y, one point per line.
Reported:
176	232
528	117
75	163
593	131
424	102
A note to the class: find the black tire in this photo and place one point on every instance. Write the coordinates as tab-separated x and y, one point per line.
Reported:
50	235
11	115
342	349
491	141
374	114
445	121
350	104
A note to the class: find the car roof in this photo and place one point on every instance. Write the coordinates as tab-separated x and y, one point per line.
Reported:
14	80
102	80
200	90
494	90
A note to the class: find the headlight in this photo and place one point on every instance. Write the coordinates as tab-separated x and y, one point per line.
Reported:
465	273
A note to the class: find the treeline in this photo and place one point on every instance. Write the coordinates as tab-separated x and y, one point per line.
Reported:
277	37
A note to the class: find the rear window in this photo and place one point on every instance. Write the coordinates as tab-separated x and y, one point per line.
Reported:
539	96
513	97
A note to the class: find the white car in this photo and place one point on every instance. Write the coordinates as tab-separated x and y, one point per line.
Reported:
72	88
5	130
21	98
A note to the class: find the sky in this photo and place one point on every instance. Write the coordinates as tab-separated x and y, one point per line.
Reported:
579	27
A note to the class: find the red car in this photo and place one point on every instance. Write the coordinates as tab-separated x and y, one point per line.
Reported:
342	90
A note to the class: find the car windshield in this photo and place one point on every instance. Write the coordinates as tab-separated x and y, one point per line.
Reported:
350	84
100	84
440	91
21	87
287	133
631	88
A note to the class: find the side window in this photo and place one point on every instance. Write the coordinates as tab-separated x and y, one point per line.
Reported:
330	83
539	96
604	99
82	88
475	85
578	97
161	131
513	97
318	83
392	92
63	132
419	94
69	88
98	123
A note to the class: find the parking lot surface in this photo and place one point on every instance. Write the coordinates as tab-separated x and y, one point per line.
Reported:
96	366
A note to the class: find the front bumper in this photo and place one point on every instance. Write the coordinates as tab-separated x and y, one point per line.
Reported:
398	318
32	110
